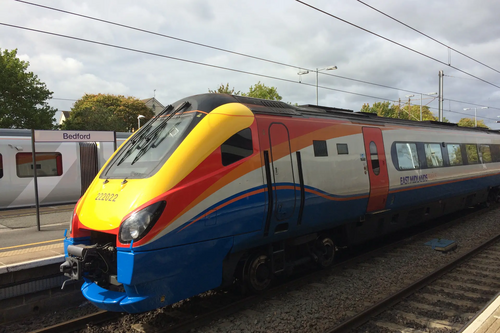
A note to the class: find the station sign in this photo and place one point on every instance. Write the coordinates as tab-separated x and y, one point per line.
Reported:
74	136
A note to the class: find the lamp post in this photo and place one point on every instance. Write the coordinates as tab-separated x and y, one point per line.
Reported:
139	121
428	94
475	113
317	71
409	105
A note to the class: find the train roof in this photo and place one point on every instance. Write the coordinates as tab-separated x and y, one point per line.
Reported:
18	132
208	102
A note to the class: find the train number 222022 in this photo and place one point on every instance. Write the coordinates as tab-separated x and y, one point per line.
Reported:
106	197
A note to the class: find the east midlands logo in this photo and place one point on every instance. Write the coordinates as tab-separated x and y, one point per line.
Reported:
76	136
413	179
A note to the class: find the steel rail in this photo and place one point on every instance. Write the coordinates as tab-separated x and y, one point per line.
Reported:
365	316
80	323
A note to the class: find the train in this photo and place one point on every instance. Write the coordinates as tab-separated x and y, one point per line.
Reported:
64	169
220	190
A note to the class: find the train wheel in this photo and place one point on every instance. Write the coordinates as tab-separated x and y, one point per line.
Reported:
327	253
259	273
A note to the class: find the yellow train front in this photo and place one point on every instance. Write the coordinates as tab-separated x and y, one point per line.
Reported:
144	235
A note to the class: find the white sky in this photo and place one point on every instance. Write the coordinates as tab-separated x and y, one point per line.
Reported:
284	31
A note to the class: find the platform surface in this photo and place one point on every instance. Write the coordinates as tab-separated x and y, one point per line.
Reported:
488	319
23	245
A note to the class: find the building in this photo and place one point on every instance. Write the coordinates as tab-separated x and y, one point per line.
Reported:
64	116
153	104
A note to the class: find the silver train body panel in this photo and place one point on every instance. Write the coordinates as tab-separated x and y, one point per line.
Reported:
77	165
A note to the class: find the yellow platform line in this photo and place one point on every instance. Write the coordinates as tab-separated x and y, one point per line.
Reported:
33	249
17	246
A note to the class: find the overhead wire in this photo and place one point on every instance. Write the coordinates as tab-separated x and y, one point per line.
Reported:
205	45
182	60
198	63
396	43
215	48
431	38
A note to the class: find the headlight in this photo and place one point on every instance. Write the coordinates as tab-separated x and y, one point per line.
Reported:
139	223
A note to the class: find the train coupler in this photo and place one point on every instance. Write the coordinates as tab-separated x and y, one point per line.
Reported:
93	262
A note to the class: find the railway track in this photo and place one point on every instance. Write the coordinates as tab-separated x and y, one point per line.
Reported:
443	301
200	310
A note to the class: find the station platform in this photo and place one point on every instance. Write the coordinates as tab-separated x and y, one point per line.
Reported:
487	320
23	246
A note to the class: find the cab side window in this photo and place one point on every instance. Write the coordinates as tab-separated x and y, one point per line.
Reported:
237	147
1	166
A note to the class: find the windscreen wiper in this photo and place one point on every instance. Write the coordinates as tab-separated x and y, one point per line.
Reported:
142	133
151	137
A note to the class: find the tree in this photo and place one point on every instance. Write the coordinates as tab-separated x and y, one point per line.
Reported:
260	90
23	97
224	90
385	109
468	122
382	109
105	112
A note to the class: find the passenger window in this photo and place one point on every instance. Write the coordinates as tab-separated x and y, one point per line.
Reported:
374	158
485	153
407	156
1	166
237	147
342	149
454	154
495	153
433	155
47	164
472	157
320	148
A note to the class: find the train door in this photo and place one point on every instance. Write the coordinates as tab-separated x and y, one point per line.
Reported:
88	164
283	183
377	168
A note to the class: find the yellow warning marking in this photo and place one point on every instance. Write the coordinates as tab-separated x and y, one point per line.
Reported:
17	246
31	250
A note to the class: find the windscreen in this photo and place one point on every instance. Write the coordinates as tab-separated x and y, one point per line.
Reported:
145	153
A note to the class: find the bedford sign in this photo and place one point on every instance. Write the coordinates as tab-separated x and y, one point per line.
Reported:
74	136
63	136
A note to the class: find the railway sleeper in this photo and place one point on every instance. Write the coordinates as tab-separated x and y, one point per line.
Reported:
395	327
446	311
437	299
476	273
457	293
471	286
470	278
425	321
